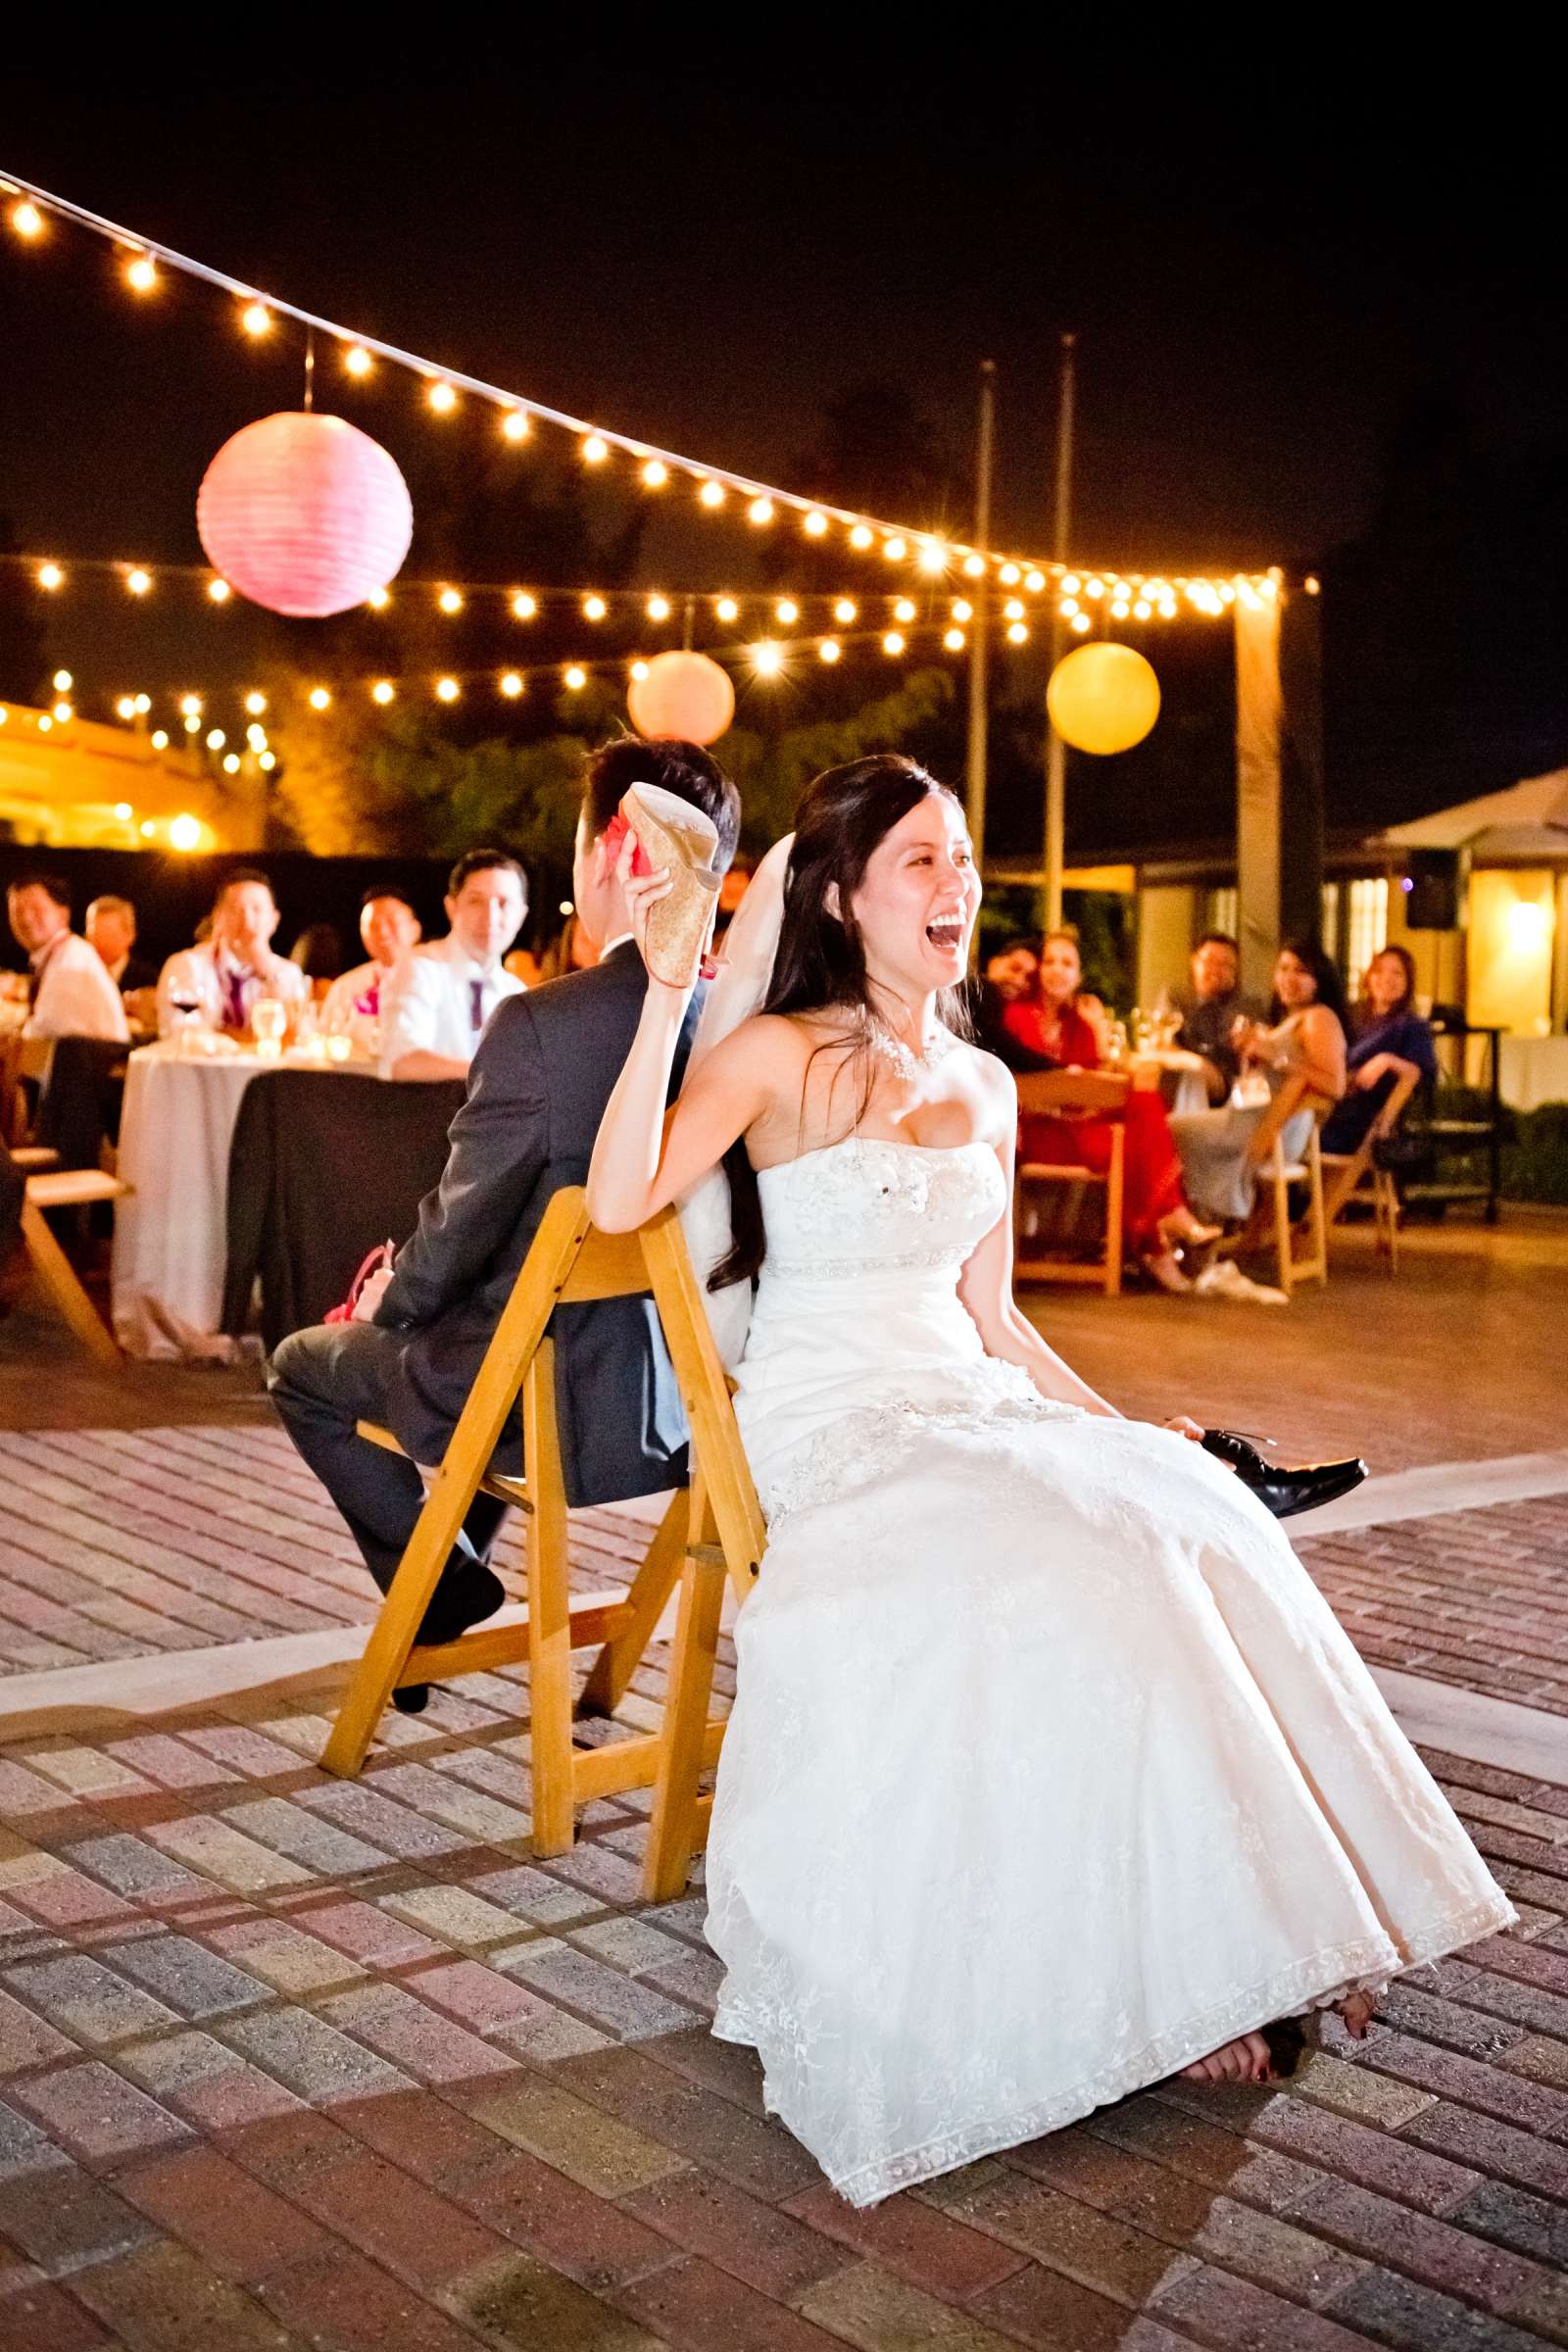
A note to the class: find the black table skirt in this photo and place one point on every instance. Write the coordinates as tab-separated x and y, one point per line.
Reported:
323	1167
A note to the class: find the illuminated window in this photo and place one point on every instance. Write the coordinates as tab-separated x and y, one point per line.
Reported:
1367	925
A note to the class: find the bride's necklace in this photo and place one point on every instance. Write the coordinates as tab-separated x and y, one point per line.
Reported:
902	1058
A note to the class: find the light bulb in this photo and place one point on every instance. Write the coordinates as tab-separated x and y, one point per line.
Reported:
933	558
510	685
219	591
1312	585
63	712
815	523
963	610
594	607
787	611
383	691
861	536
450	600
50	575
1141	609
1034	582
63	681
1079	622
656	473
712	493
1012	610
523	605
160	739
45	725
768	658
190	723
846	611
442	396
125	708
141	275
954	641
894	550
576	678
514	426
447	690
124	810
903	609
639	669
594	448
379	600
973	567
256	318
185	832
231	768
1010	576
1094	588
26	219
190	706
1067	608
658	607
893	643
319	698
268	760
829	650
143	704
356	361
1120	609
215	739
138	581
1017	633
256	703
1072	584
760	510
727	609
256	737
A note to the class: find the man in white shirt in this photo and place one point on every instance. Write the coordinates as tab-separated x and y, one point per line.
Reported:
389	928
437	1001
69	992
220	981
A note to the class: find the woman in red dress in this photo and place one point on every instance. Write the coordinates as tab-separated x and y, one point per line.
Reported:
1065	1029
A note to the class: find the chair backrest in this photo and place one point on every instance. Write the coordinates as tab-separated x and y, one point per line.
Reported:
1394	1109
1050	1094
1292	1093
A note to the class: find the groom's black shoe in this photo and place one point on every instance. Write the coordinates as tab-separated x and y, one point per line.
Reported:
1280	1490
465	1596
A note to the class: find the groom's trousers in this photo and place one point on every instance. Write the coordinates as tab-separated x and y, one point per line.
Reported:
324	1379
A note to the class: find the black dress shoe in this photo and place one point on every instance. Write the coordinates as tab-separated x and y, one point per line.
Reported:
1284	1491
466	1597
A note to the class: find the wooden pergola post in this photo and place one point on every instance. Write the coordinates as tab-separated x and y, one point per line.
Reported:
1279	777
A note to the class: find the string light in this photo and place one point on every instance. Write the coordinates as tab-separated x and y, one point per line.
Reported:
185	832
191	722
861	536
815	523
963	610
141	273
893	643
320	699
933	558
268	760
594	607
1034	582
450	600
256	318
575	679
219	591
1070	585
787	611
447	690
215	739
63	681
656	473
514	425
1012	610
138	581
954	641
1143	609
829	650
143	704
442	396
1010	576
768	658
903	609
594	448
256	703
51	576
894	550
26	219
760	510
63	712
125	708
356	361
712	493
726	610
1079	622
510	685
523	605
231	769
637	669
256	737
160	743
190	706
845	612
379	600
973	567
1017	633
658	607
383	691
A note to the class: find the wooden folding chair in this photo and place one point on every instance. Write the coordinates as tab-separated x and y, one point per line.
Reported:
1063	1094
571	1263
67	1187
1300	1251
1345	1173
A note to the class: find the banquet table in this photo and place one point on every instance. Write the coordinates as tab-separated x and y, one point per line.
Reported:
1178	1074
1535	1070
171	1230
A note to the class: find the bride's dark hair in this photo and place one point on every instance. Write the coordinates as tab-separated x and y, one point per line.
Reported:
820	962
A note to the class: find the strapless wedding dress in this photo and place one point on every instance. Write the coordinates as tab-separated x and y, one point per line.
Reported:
1050	1769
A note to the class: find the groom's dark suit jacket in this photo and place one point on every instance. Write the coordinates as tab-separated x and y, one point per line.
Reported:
537	1090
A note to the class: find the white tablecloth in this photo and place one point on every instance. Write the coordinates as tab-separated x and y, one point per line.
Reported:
1535	1070
171	1232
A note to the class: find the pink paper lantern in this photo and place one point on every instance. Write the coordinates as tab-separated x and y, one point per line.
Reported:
685	695
304	514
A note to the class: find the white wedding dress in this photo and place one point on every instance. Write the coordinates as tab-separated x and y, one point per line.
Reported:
1049	1770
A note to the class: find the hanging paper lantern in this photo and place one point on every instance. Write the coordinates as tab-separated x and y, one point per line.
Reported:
685	695
304	514
1103	697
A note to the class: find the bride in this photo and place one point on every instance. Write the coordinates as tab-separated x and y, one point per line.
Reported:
1049	1772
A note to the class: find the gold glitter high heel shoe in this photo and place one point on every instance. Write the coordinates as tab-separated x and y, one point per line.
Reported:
676	835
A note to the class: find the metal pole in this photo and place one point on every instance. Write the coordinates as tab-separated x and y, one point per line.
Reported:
979	700
1056	749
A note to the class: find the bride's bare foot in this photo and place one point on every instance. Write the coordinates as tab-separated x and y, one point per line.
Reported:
1245	2060
1357	2009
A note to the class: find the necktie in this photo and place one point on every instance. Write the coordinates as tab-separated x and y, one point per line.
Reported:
234	990
476	1005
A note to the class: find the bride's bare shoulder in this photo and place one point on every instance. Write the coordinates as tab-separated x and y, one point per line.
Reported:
773	1043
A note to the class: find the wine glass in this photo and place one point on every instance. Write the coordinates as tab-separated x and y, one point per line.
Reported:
269	1020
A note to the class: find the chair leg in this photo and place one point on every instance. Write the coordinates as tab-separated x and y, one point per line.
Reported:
71	1302
651	1588
549	1615
671	1830
1115	1178
1317	1222
1282	1227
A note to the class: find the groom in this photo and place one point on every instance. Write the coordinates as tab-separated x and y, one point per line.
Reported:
537	1090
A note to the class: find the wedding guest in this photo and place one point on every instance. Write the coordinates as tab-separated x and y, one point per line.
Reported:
1062	1027
1304	1034
1007	977
1390	1041
437	999
220	981
388	929
110	929
536	1093
1210	1008
69	994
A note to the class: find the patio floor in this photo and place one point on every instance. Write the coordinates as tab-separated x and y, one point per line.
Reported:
288	2060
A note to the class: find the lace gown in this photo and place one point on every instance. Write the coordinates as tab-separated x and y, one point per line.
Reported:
1050	1769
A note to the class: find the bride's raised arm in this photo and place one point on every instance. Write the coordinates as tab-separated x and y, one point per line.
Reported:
643	1159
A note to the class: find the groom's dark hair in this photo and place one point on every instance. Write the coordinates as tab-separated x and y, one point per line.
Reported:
683	769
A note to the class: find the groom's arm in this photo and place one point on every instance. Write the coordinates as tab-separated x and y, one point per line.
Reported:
498	1149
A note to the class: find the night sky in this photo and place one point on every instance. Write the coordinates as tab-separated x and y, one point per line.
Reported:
1262	278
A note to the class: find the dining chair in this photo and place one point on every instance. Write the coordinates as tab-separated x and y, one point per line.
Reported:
1346	1172
1066	1095
57	1189
709	1531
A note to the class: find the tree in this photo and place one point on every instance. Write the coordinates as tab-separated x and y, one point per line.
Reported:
22	635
